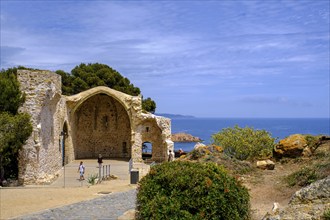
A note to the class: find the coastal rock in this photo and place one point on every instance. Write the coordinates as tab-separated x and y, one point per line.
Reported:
308	203
266	164
292	146
184	137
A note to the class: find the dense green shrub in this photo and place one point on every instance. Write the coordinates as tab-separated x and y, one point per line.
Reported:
11	97
245	143
188	190
14	131
15	128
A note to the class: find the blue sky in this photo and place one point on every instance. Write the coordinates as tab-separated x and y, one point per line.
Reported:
202	58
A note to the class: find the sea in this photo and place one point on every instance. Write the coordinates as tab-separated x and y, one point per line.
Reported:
279	128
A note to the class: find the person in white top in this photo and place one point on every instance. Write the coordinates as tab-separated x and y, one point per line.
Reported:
170	156
81	170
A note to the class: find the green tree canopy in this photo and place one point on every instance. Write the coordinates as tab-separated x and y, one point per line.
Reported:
149	105
15	128
86	76
10	96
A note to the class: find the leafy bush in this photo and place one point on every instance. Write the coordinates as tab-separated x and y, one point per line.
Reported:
188	190
213	153
245	143
202	151
14	131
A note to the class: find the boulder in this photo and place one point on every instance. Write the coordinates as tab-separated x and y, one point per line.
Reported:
265	164
308	203
292	146
318	191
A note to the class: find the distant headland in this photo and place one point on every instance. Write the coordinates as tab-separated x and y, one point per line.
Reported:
175	116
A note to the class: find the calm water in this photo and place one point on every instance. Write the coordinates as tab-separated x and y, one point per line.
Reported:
279	128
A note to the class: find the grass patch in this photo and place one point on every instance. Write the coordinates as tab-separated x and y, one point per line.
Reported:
326	215
308	174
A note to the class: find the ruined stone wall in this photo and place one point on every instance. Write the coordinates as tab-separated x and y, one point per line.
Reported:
102	127
157	131
99	120
164	125
150	133
40	157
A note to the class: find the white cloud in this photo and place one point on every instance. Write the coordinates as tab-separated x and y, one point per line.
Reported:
176	46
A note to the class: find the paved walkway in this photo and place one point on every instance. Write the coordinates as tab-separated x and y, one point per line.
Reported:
108	207
119	168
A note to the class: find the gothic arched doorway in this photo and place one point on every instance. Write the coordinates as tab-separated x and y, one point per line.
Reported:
101	126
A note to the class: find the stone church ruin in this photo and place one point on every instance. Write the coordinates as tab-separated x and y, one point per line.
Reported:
82	126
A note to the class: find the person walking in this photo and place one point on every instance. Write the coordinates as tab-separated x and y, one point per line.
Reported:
100	161
170	156
81	170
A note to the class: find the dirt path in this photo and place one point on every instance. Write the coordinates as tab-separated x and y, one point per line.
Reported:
267	187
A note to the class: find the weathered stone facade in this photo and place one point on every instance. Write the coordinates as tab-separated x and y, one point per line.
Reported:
97	121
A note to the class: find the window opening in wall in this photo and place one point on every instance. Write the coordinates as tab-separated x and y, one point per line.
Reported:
146	150
147	129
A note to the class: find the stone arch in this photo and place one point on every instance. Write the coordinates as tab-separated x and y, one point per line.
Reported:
101	125
151	132
76	100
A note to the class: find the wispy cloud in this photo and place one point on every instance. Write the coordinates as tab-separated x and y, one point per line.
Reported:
257	99
180	47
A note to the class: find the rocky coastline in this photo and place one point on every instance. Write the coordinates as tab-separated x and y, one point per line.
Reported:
184	137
